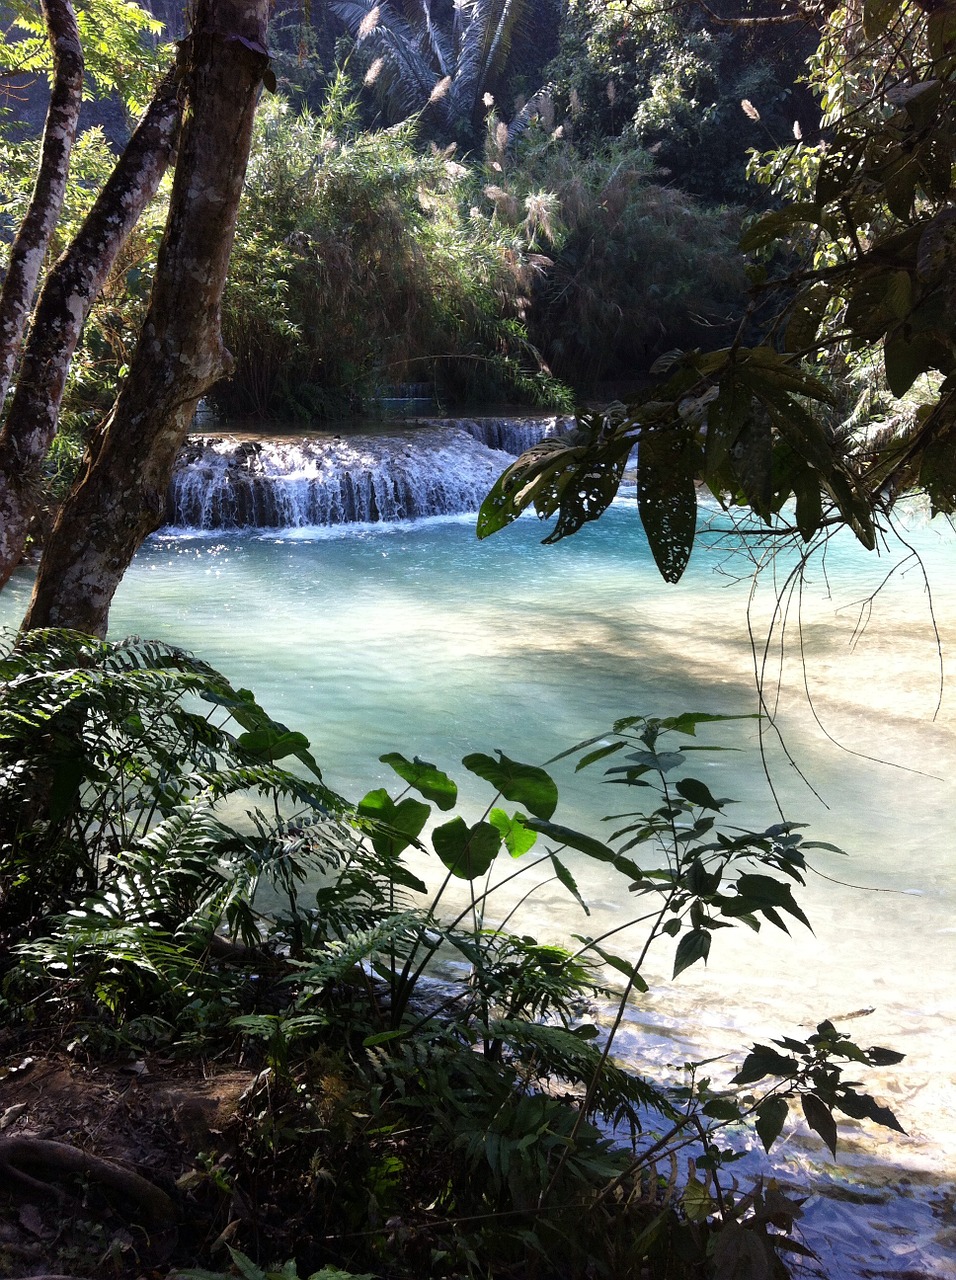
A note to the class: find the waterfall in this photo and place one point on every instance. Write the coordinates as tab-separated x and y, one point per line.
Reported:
432	467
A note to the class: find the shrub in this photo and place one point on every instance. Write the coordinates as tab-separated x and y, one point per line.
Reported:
638	267
361	262
145	809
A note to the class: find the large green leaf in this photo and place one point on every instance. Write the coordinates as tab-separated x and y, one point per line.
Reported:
907	355
466	851
692	947
820	1118
430	781
525	784
272	742
771	1117
777	223
400	824
517	837
588	845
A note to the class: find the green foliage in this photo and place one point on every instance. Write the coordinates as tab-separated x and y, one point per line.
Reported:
120	47
166	880
866	276
633	268
359	262
671	79
116	765
445	66
111	332
249	1271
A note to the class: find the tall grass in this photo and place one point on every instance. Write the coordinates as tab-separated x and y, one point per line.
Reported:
361	261
638	267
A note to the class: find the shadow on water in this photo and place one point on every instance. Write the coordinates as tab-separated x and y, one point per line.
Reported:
413	636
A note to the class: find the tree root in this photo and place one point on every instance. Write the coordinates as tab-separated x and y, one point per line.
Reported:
19	1154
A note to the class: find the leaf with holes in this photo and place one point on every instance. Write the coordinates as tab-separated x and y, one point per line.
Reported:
667	499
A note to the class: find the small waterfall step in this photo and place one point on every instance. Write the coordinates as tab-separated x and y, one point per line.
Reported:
430	467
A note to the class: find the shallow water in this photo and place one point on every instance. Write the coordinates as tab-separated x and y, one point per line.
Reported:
415	637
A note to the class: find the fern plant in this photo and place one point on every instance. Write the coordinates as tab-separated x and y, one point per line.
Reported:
165	877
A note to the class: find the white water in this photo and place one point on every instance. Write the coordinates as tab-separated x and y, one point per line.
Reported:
413	636
398	473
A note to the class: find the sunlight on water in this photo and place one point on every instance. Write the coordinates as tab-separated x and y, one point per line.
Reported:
415	637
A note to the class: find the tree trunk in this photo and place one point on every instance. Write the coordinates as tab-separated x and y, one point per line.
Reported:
120	498
32	240
69	292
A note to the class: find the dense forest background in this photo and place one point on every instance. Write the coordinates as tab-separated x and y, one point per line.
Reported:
536	226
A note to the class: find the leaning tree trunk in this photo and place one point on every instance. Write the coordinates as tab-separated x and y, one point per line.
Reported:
121	495
69	292
33	238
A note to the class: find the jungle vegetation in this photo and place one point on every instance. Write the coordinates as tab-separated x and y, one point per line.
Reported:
514	233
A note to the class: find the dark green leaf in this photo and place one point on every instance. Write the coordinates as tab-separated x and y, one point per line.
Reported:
777	223
862	1107
697	793
667	498
876	17
771	1117
820	1119
760	892
692	947
272	742
566	878
525	784
906	357
598	754
589	845
884	1057
806	314
65	786
466	851
765	1061
401	823
428	780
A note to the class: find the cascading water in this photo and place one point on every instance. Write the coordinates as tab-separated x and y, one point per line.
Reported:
426	468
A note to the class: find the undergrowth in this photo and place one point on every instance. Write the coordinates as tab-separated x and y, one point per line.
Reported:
177	878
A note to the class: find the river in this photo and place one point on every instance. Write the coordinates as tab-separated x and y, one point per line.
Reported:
373	636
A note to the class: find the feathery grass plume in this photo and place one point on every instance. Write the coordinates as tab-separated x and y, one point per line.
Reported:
440	90
749	110
636	265
505	203
357	264
501	136
542	210
369	22
373	73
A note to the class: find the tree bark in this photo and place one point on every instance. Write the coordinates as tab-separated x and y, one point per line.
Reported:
121	495
69	292
33	238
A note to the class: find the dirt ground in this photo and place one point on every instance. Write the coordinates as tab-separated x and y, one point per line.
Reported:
100	1165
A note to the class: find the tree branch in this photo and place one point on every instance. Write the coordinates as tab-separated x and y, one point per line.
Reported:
69	292
33	238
